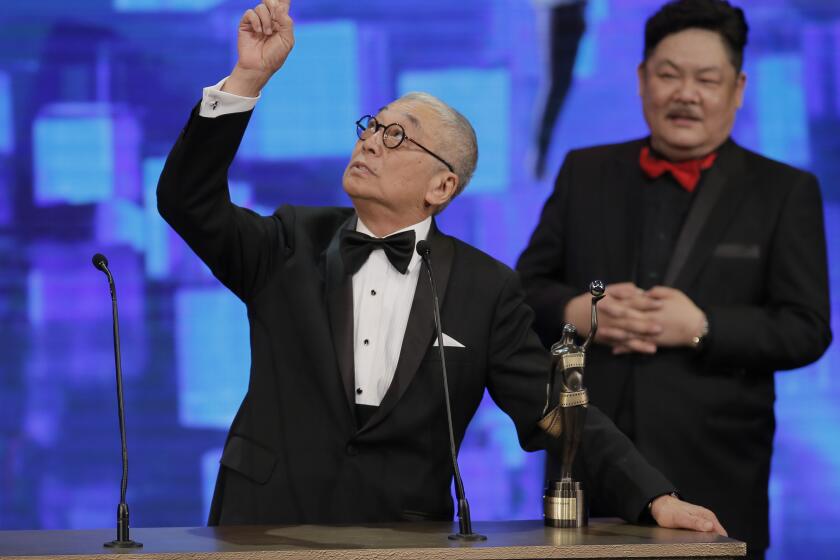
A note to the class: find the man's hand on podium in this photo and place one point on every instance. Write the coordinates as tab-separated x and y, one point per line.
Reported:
672	513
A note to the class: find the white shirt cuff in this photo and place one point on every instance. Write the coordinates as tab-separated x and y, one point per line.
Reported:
215	102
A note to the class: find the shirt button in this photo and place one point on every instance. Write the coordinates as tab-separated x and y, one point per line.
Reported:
359	391
351	449
373	292
366	342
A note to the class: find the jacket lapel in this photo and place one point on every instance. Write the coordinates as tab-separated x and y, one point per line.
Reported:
420	330
339	296
717	202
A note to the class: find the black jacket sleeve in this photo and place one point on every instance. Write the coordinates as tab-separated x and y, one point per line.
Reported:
790	327
541	264
239	247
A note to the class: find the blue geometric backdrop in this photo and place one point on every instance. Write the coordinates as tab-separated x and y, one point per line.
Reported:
94	92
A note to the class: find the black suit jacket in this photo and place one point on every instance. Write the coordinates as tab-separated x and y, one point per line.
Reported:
752	255
294	453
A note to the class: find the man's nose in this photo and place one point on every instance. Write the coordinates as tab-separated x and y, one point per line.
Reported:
687	91
373	142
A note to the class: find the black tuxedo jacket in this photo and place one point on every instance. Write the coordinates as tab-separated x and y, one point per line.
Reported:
295	453
752	255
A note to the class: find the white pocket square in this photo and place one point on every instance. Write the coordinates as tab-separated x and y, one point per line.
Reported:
449	341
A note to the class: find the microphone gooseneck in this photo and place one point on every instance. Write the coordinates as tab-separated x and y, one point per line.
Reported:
123	540
465	532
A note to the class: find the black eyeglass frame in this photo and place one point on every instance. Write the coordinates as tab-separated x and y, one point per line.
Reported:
360	130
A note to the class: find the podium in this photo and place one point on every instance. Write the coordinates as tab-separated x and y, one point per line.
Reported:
506	540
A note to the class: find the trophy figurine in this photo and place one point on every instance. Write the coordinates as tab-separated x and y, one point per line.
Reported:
563	418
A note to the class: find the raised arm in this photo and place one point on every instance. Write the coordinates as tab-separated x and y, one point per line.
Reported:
240	247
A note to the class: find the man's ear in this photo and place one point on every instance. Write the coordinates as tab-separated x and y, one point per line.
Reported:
640	78
441	189
740	86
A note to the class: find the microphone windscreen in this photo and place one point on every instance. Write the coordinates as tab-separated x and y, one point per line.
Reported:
423	248
99	261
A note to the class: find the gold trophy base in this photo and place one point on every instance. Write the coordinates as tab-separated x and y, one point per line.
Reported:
563	504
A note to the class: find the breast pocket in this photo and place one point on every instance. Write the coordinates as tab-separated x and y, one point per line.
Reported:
737	251
452	353
735	273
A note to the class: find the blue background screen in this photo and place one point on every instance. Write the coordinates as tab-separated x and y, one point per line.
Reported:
94	92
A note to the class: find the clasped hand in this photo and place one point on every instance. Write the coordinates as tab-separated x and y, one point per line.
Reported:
634	320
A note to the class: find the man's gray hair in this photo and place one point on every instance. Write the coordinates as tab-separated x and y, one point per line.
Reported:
458	143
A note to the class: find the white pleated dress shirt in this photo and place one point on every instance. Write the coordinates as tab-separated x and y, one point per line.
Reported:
382	300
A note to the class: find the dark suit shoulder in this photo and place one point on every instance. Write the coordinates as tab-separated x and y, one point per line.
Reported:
485	269
313	225
597	155
583	166
771	173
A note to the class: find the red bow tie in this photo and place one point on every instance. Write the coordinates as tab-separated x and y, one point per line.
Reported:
687	173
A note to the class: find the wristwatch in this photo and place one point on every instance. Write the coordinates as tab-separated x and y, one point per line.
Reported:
699	340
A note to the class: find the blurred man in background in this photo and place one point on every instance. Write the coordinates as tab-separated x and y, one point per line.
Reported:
716	263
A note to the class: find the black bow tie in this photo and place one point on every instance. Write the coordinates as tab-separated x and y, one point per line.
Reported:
356	248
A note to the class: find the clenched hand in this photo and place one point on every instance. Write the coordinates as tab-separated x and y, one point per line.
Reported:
266	37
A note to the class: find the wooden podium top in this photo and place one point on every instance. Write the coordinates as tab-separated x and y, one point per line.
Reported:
604	538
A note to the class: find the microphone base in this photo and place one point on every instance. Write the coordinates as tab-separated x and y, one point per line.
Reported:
470	537
123	539
123	544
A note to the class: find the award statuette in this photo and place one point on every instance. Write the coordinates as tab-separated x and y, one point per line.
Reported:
563	418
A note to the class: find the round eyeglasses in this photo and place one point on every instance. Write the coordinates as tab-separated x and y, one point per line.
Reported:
392	136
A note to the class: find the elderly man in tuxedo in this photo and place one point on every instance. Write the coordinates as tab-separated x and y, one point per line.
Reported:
344	420
716	262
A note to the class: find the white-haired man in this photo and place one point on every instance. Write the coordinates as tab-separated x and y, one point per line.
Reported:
343	420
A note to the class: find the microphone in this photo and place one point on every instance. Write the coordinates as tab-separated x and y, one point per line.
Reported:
123	540
465	524
100	261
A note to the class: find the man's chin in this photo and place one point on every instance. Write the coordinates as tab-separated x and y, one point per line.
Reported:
356	192
351	185
683	141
